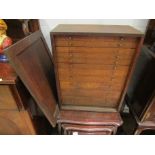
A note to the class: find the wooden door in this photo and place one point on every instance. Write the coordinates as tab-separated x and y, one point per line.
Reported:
32	62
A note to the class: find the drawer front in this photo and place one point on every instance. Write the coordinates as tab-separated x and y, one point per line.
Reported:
107	60
91	133
89	93
89	85
96	70
91	50
100	79
95	56
90	102
88	129
7	100
95	42
102	98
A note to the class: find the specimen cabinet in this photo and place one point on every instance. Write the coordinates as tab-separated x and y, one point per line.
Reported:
80	88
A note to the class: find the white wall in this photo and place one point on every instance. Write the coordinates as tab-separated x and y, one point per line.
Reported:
48	24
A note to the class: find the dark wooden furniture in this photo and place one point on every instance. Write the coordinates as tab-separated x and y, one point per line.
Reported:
141	94
18	111
93	65
82	121
79	76
14	115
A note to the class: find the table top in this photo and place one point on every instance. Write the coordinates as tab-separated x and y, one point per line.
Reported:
96	29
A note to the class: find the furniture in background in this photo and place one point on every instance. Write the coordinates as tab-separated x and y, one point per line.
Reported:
14	98
92	66
18	111
141	92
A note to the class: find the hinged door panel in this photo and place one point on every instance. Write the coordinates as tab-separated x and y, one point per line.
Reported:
33	63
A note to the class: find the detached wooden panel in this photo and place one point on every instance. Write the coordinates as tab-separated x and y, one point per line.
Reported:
93	64
33	63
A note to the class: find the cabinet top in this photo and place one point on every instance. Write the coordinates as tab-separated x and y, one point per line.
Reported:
7	74
97	29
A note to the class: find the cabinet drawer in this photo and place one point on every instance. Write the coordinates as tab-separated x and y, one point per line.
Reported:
88	129
101	71
89	93
100	79
89	85
7	100
96	60
95	42
66	52
87	101
91	133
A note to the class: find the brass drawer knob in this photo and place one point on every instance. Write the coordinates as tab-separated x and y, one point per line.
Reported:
115	67
71	55
122	38
117	57
70	44
71	65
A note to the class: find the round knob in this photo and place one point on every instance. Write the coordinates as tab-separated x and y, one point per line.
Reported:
70	38
122	38
70	54
70	44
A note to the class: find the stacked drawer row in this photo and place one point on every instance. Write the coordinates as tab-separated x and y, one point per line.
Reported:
92	70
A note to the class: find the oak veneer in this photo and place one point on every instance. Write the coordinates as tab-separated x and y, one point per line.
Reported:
85	53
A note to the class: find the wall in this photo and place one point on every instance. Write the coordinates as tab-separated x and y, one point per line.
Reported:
48	24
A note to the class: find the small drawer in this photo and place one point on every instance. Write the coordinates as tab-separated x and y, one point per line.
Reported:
100	79
88	101
96	70
89	92
93	52
90	133
88	129
7	100
83	41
